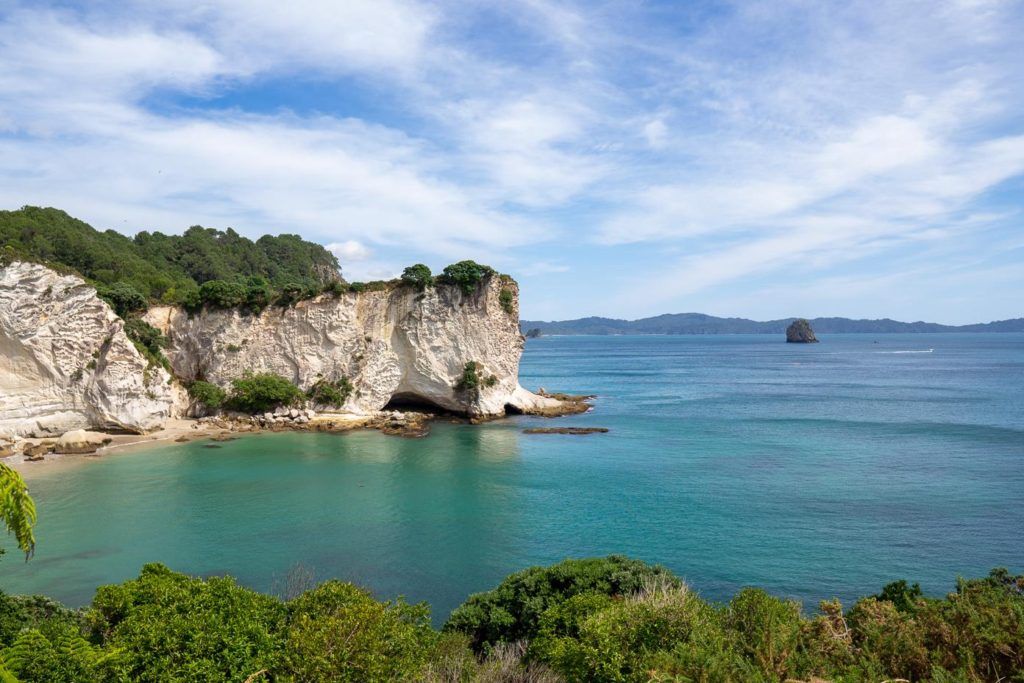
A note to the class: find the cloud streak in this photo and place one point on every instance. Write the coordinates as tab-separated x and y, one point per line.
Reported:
678	154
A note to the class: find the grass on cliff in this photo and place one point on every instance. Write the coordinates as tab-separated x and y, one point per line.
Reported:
604	619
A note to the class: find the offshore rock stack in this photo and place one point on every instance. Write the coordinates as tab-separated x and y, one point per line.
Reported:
800	332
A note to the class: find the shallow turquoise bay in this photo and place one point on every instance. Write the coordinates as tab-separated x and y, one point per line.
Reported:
813	471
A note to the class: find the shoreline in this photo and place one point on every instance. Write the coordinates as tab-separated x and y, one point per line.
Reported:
405	424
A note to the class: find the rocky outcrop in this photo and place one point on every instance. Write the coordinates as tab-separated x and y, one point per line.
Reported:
800	332
395	345
66	363
80	441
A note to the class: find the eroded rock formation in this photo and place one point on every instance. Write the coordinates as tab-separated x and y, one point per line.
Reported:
66	363
396	345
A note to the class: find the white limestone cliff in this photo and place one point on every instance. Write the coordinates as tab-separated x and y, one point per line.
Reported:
66	363
396	344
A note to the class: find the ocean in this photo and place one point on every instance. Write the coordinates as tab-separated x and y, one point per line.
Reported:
813	471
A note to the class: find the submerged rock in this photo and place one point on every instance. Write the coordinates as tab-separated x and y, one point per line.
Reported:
800	332
566	430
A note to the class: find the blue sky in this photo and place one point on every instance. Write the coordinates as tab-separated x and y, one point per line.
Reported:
760	159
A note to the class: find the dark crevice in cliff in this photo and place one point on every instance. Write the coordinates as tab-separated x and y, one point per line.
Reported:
512	410
415	403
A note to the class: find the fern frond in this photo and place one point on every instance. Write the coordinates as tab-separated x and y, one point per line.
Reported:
17	510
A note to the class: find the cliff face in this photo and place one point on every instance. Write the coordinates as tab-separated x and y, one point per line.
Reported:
65	362
392	345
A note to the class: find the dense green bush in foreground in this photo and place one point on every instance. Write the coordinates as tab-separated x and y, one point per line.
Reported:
610	619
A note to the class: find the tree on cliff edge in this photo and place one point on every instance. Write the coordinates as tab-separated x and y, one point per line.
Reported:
17	510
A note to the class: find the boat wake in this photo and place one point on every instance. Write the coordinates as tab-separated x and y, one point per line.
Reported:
911	351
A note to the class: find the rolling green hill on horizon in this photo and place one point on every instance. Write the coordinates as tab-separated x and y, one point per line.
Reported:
699	323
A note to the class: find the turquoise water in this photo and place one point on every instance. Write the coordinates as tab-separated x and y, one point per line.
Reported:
813	471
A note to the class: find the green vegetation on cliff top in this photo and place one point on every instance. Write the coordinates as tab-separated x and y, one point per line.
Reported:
202	267
160	267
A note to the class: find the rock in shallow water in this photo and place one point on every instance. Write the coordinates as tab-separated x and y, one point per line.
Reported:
80	441
566	430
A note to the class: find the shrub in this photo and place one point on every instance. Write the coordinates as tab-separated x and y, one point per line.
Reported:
901	595
293	292
978	630
338	632
255	393
165	626
258	294
123	298
222	294
379	285
188	296
148	340
766	631
603	619
20	612
507	301
466	275
469	380
329	393
417	276
888	641
512	611
665	633
209	395
337	288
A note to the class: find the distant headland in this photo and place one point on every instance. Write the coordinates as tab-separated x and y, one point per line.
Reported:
699	323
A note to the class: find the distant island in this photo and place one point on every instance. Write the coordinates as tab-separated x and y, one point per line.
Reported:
699	323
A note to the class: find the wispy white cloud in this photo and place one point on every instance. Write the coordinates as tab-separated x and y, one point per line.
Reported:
748	138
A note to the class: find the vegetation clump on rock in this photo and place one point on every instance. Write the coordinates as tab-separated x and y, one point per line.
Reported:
256	393
418	276
472	378
330	392
507	301
207	395
467	275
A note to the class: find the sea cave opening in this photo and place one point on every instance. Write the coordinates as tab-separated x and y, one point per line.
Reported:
409	402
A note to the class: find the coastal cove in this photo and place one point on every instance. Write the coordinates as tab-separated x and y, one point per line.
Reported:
815	471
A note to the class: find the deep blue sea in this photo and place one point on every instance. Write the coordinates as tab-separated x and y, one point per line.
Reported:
814	471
